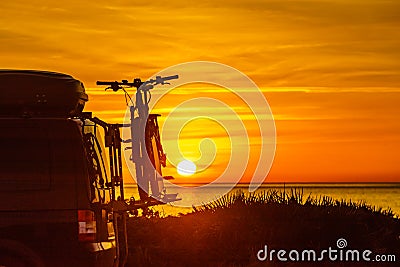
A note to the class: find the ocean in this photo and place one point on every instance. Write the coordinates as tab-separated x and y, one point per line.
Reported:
384	195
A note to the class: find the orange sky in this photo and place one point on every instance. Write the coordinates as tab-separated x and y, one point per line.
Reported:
330	70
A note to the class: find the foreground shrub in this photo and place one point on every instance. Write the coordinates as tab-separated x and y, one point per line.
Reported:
230	230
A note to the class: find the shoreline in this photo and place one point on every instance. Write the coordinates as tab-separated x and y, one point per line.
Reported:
386	197
305	184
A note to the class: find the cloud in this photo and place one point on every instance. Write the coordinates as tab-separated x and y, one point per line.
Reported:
329	68
277	43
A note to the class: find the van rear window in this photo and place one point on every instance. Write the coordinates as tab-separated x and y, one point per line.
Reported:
24	158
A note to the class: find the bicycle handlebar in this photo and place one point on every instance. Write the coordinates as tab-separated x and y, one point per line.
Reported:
161	80
137	82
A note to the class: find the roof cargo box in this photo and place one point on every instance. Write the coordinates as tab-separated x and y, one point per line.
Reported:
31	93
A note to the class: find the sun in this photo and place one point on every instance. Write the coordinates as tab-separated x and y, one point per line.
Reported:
186	168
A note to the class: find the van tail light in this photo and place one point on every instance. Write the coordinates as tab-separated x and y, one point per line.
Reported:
87	226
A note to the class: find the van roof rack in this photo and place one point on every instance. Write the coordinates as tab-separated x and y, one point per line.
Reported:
35	93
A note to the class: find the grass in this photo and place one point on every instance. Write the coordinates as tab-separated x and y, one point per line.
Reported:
230	230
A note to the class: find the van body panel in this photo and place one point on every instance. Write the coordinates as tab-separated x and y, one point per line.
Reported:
44	182
50	214
42	165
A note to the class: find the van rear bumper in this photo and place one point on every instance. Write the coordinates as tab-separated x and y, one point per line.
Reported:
54	245
94	255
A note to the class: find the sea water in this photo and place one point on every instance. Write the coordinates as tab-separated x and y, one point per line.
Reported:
384	195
